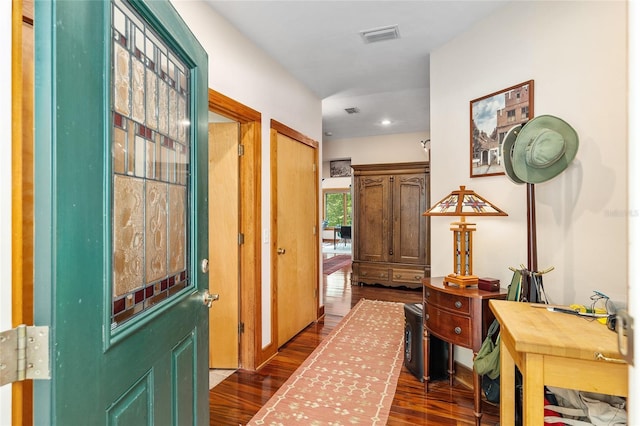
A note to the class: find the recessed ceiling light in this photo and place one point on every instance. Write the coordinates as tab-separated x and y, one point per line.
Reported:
328	134
385	122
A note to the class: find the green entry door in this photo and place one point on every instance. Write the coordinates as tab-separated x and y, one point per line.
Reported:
121	214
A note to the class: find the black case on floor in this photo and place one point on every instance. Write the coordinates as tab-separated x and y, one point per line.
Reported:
413	353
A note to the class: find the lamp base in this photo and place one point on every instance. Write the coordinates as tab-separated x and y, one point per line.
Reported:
461	280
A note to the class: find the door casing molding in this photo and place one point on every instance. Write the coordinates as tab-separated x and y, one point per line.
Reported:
251	352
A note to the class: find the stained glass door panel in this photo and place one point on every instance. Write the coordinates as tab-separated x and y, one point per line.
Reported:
150	148
121	171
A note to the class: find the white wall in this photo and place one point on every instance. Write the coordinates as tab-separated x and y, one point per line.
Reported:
336	182
398	148
239	70
576	54
634	197
5	191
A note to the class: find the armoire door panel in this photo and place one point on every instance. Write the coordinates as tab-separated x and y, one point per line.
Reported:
408	205
373	219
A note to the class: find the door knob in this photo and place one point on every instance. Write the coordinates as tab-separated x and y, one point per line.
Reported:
209	298
281	250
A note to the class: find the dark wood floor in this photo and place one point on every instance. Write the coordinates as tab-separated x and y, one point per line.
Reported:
240	396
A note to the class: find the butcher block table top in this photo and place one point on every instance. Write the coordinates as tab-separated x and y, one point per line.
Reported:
555	349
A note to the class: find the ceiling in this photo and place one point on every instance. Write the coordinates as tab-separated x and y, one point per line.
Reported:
319	43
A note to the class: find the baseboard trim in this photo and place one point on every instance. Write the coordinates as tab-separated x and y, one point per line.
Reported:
266	361
320	312
463	375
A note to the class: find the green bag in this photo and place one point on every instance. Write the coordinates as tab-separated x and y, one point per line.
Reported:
515	287
487	361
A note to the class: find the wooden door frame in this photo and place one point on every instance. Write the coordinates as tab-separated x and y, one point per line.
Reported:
250	224
22	90
277	127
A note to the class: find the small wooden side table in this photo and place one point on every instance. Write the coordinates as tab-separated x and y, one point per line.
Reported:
555	349
458	316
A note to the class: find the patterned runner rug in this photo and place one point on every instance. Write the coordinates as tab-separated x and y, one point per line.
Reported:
350	378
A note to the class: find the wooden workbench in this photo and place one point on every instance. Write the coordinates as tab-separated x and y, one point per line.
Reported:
554	349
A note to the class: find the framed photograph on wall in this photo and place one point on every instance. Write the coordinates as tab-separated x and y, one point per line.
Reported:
340	168
491	118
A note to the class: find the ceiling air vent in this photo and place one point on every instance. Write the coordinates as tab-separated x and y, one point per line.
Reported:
352	110
380	34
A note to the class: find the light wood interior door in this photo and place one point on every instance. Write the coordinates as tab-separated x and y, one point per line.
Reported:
296	237
223	243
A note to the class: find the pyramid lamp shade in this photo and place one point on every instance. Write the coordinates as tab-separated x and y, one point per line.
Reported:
463	202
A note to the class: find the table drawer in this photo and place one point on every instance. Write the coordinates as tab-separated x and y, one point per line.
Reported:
452	302
452	328
407	275
373	272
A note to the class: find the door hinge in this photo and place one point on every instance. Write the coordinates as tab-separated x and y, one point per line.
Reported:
24	354
240	327
240	150
240	238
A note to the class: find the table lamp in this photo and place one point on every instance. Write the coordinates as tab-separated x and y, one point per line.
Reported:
463	202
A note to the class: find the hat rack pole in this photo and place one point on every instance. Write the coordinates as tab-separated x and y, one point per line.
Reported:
532	248
530	288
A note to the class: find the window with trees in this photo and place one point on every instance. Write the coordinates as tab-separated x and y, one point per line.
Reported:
337	207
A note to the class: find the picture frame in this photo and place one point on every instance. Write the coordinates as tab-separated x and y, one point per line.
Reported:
340	168
491	117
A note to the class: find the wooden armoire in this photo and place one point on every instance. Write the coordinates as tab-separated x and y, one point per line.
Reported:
390	234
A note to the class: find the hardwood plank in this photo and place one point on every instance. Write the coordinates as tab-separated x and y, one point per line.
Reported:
235	400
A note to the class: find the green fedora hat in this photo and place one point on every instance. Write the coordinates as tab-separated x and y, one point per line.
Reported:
544	147
507	153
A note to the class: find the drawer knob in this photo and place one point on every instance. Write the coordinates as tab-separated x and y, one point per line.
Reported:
418	277
458	304
364	274
382	274
457	330
398	275
426	317
427	293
